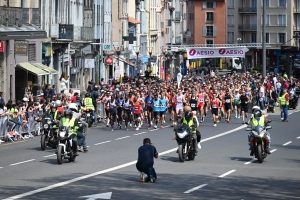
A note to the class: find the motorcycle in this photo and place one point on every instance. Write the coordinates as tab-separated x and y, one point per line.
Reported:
257	141
89	118
294	97
64	148
49	133
185	141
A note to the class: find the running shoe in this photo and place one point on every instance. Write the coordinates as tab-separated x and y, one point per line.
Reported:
155	126
111	129
126	129
142	177
149	126
215	125
161	126
201	121
137	128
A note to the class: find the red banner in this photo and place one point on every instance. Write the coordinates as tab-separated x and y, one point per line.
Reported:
2	46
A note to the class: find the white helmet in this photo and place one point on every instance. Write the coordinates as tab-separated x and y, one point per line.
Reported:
255	108
58	103
73	107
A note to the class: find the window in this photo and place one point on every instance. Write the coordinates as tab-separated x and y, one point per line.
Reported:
281	20
253	38
209	5
267	20
209	30
230	3
209	43
230	37
281	38
267	37
210	17
282	3
191	16
267	3
31	52
230	20
191	3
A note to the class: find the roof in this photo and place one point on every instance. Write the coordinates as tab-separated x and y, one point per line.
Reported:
133	21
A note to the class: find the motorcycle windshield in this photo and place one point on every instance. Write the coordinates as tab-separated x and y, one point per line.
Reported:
182	127
258	129
47	117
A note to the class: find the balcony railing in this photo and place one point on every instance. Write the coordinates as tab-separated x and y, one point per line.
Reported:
296	28
87	33
247	9
209	21
248	27
17	16
296	10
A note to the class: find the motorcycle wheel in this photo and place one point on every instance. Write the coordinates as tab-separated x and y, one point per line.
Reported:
191	156
259	153
180	153
90	122
43	142
60	155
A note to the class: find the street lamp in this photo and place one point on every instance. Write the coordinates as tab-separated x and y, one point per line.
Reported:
118	49
136	49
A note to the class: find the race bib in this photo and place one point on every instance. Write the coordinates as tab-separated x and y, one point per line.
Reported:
227	100
193	105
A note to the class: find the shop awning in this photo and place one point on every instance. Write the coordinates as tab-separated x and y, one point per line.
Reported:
33	69
45	68
125	61
133	21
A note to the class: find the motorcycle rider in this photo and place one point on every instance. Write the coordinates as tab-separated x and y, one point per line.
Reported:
192	122
258	119
88	102
53	112
81	137
69	121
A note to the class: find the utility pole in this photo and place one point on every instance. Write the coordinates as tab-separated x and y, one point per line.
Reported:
264	41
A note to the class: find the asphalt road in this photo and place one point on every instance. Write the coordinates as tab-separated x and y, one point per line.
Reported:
223	168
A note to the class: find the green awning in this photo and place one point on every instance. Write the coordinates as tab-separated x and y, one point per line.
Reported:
45	68
33	69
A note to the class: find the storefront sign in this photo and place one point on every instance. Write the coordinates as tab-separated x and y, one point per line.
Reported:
21	47
221	52
2	46
109	61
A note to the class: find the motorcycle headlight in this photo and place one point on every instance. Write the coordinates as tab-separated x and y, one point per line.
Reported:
62	134
49	122
46	126
182	135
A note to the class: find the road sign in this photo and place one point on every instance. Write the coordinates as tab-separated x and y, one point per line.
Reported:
106	195
145	59
106	47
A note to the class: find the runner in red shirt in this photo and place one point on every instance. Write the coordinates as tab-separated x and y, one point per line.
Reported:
214	107
137	112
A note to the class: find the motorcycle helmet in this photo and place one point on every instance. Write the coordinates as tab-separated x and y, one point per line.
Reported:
78	105
58	103
53	105
257	114
68	112
188	115
73	107
255	108
88	94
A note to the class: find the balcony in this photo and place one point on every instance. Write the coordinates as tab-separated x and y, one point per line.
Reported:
87	33
296	10
177	16
66	31
248	27
178	40
296	28
17	16
209	21
247	9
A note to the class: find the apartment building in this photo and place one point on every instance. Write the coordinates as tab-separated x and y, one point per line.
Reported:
244	25
207	22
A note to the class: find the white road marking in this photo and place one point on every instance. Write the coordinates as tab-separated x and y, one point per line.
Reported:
195	188
1	167
107	170
247	163
22	162
167	126
227	173
298	137
122	138
154	130
139	133
49	155
273	150
102	142
87	146
287	143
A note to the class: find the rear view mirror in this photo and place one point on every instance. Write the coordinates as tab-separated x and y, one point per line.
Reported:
268	127
248	129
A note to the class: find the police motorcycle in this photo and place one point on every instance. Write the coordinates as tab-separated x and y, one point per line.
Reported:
185	140
258	134
87	114
65	142
76	107
294	97
49	132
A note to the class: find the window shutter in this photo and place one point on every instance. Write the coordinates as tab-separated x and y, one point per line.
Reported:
214	31
215	4
204	4
31	52
204	30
